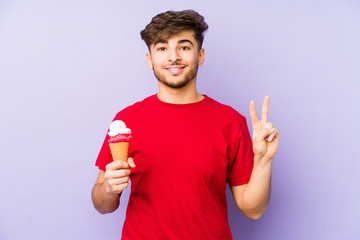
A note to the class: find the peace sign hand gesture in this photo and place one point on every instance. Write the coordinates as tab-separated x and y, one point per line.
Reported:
265	137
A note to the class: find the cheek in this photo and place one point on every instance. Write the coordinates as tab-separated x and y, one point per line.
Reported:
192	58
156	65
157	62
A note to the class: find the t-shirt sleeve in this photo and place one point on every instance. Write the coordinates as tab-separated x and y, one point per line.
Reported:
241	157
104	157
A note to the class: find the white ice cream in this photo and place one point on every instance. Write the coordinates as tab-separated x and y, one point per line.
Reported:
117	127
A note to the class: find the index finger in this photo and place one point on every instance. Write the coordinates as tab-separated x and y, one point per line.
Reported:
253	115
115	165
265	110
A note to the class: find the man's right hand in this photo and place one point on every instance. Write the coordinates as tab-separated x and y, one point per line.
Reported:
117	176
109	185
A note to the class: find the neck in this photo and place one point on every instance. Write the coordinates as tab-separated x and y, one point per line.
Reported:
184	95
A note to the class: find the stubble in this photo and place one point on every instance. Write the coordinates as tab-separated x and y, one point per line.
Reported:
176	84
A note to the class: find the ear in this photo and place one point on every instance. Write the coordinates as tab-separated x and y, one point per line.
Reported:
201	57
149	61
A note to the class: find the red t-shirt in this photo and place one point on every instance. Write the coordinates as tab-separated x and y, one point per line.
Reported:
184	155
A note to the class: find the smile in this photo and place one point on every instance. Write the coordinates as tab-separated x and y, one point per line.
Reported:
175	69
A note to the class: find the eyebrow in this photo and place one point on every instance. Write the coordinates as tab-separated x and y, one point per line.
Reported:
160	41
186	40
179	42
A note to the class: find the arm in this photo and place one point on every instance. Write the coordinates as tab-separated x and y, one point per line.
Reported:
110	184
252	198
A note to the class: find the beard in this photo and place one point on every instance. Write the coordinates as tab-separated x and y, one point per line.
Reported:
176	84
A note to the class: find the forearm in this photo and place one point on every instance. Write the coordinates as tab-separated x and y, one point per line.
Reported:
257	193
104	202
254	197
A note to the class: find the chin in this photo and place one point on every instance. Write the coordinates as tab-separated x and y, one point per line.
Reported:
175	84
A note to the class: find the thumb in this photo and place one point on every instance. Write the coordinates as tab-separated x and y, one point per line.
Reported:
131	162
264	133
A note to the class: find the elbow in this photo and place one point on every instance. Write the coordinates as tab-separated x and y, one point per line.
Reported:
103	212
253	213
104	209
254	216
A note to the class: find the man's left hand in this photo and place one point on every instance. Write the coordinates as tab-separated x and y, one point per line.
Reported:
265	136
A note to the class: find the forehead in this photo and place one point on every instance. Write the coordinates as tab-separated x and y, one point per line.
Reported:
177	38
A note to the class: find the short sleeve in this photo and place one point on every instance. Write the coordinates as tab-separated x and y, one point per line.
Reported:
104	157
241	156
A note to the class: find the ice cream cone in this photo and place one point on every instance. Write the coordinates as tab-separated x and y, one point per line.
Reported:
119	150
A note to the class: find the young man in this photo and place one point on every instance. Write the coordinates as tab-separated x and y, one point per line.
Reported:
186	147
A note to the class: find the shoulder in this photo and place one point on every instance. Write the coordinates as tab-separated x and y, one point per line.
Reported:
226	112
230	121
136	108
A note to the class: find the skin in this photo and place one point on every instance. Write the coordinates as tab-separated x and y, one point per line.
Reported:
179	51
110	184
175	62
252	198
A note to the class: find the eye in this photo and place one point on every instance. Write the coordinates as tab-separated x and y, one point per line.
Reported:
185	48
161	49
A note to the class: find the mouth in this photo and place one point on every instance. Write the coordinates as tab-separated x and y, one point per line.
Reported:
175	69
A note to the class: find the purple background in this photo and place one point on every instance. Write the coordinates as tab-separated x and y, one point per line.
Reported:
66	67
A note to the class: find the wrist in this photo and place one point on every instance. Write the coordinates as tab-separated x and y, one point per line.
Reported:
262	161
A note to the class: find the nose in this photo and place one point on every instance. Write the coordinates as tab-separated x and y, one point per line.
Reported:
174	55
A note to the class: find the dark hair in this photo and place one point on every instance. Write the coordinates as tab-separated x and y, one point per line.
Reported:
166	24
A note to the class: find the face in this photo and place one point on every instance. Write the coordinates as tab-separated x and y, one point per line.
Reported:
175	61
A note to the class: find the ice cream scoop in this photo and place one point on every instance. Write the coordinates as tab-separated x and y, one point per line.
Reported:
119	138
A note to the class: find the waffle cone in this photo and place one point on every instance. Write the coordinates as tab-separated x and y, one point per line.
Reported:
119	151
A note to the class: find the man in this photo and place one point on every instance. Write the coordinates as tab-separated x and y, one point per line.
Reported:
186	147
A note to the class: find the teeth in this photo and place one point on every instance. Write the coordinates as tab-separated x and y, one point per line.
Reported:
174	69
